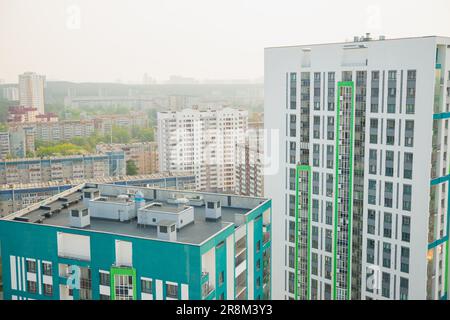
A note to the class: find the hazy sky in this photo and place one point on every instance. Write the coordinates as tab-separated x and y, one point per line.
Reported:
105	40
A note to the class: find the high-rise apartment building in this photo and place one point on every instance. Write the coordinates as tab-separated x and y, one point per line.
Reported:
249	163
362	195
133	243
36	170
143	154
202	141
31	90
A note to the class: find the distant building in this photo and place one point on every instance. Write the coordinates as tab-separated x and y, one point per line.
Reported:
134	243
11	93
105	123
202	141
14	197
249	162
143	154
22	114
4	145
108	101
35	170
31	90
21	141
56	131
17	142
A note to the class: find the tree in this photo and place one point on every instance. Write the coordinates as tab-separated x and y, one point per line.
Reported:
132	169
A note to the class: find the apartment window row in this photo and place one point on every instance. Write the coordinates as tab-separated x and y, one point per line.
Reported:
390	163
376	131
388	225
387	197
386	255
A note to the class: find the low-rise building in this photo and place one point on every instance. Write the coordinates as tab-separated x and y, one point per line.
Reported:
35	170
112	242
14	197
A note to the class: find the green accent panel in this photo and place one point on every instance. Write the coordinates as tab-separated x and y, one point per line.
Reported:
302	168
118	271
342	84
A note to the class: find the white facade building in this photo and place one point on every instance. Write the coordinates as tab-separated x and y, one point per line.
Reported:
202	141
362	200
31	90
11	93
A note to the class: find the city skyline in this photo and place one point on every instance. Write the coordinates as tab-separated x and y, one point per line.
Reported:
214	40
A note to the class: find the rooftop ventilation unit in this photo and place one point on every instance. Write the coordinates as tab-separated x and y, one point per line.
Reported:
213	210
167	230
80	217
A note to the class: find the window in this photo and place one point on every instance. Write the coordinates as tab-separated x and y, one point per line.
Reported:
386	255
328	240
404	260
31	286
371	222
372	192
48	289
385	284
315	237
291	282
316	132
330	157
410	108
105	279
331	76
388	192
291	257
373	161
411	74
31	266
258	246
409	133
392	75
146	286
387	232
391	108
104	297
315	210
374	131
407	190
408	165
329	213
406	228
389	168
375	75
316	155
330	128
390	132
172	291
370	251
404	284
47	268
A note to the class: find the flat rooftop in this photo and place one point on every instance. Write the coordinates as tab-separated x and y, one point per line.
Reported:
55	211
